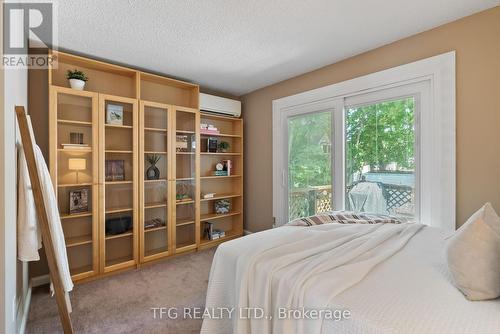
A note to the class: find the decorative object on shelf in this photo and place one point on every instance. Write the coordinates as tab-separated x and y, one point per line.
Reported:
212	144
114	114
78	201
154	223
211	233
77	164
224	146
222	206
181	143
76	138
118	225
208	129
114	170
183	193
77	79
223	168
208	195
153	173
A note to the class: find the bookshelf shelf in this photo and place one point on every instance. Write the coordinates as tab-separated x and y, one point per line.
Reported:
76	215
74	122
219	177
121	235
78	241
219	153
222	196
155	129
71	185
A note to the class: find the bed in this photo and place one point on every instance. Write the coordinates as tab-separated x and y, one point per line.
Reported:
398	284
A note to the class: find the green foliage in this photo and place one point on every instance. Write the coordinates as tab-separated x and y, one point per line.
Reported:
223	145
309	164
380	134
76	74
376	135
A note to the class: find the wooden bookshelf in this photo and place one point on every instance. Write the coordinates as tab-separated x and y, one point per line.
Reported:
227	188
161	117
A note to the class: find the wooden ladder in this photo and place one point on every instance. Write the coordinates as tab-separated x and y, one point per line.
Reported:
62	298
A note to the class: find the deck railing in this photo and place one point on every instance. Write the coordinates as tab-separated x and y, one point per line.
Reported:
313	200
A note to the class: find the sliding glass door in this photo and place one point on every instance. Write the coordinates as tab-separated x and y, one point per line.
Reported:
357	153
380	157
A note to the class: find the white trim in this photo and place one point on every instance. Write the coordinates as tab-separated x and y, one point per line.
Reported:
437	160
22	318
40	280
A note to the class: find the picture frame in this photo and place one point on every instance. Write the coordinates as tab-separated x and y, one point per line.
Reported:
78	201
114	114
114	170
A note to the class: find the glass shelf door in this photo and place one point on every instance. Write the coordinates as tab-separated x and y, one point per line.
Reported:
74	171
118	176
154	229
186	180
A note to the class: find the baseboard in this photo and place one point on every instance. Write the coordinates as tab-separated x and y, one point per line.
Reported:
23	317
40	280
247	232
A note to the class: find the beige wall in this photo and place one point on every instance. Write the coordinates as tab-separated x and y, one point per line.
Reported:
476	41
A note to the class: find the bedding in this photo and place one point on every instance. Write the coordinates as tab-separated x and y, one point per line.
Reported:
473	255
391	278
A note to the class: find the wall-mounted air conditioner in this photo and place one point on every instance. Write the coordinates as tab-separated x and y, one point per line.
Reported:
220	105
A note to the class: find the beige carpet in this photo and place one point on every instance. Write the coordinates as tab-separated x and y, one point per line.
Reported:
123	303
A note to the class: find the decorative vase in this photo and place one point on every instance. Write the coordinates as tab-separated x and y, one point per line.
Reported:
152	173
77	84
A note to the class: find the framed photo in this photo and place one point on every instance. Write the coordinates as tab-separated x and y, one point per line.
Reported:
78	201
114	114
114	170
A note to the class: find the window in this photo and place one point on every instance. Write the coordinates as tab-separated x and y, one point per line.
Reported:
383	143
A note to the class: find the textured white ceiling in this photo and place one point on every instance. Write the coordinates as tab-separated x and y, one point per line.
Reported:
238	46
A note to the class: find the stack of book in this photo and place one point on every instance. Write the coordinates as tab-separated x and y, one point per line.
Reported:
213	234
75	146
208	129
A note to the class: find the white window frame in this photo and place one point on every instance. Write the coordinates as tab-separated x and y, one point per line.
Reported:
432	80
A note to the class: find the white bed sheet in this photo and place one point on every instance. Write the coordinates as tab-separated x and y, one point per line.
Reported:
411	292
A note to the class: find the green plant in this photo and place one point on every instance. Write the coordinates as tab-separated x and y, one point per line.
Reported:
76	74
224	145
153	158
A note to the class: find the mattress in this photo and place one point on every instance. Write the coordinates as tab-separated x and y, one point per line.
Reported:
411	292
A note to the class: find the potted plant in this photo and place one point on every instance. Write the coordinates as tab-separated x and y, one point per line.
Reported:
223	146
76	79
153	173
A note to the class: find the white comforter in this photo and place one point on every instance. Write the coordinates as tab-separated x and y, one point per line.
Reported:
391	278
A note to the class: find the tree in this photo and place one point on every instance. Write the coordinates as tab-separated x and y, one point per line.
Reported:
380	134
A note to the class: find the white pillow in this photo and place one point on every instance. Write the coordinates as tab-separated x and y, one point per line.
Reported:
473	255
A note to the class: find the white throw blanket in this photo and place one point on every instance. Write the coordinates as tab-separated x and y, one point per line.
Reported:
303	267
29	236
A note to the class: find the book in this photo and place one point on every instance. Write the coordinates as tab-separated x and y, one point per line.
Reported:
220	173
228	165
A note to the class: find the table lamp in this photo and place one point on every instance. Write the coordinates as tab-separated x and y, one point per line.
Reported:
77	164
